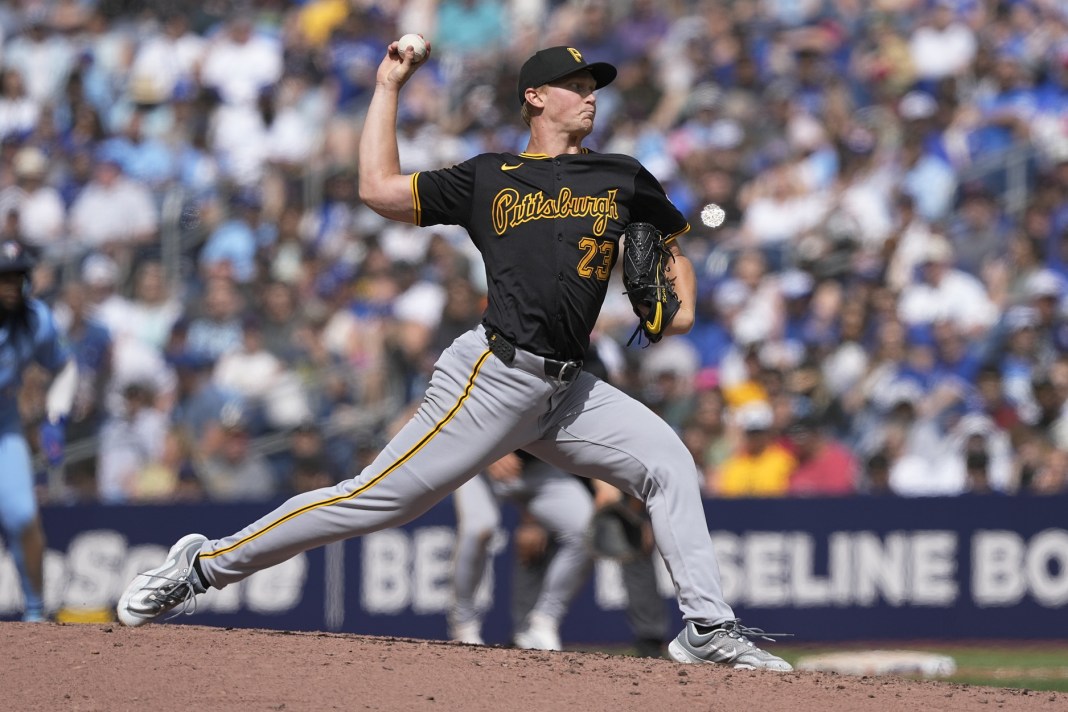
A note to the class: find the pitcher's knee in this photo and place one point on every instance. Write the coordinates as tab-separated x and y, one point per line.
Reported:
672	474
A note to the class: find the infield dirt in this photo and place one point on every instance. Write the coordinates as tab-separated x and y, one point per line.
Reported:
59	667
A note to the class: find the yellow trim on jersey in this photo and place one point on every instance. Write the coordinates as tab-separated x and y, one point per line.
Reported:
524	154
417	205
374	480
672	236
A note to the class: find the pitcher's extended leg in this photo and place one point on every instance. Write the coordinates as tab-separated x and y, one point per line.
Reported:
467	420
475	410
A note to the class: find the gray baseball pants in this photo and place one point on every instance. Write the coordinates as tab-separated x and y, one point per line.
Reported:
476	410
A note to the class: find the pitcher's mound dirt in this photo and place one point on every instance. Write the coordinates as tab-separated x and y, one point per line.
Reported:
183	668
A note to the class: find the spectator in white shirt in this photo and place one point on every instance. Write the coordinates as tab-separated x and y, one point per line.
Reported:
133	359
18	110
943	46
241	63
113	212
913	443
262	379
170	57
298	114
129	442
945	293
239	141
41	213
977	457
282	127
909	243
150	314
778	208
42	57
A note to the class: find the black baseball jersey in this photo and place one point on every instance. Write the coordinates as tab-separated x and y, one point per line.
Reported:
548	229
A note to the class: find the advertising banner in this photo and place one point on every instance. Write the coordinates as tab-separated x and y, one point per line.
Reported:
822	569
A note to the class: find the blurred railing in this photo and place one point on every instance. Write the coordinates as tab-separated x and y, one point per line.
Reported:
1007	172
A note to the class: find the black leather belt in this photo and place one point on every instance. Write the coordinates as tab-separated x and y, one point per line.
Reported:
565	371
505	350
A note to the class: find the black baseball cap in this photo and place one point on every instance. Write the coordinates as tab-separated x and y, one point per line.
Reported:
548	65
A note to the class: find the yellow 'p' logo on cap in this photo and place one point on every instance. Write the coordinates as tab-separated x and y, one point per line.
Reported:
575	53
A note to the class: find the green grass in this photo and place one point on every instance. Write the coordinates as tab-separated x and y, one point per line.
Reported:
1038	666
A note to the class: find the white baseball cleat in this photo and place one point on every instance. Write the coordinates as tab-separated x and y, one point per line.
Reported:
541	633
469	633
153	593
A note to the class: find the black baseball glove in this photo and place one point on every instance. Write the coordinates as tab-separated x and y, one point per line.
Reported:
644	260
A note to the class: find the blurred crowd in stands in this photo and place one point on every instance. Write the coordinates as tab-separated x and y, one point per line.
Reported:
884	311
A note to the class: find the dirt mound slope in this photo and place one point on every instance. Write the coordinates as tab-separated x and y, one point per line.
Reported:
184	667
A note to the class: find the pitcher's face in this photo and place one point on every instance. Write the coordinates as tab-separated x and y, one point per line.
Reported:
572	102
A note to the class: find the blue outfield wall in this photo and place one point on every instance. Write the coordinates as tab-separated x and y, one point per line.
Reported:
825	570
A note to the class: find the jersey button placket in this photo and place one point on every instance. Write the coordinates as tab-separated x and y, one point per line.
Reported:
561	257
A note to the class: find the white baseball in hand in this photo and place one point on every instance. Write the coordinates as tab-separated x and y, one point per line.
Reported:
712	215
417	43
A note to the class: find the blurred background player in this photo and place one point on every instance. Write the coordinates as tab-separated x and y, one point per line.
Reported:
28	334
553	504
621	531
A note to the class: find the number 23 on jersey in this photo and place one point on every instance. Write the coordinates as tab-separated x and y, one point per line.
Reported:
597	258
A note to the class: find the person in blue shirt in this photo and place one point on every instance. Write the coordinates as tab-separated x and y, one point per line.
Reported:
717	305
238	240
28	333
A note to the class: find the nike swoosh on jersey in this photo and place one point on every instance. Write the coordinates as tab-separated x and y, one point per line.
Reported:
506	167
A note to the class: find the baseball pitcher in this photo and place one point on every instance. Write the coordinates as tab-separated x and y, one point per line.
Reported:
548	223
